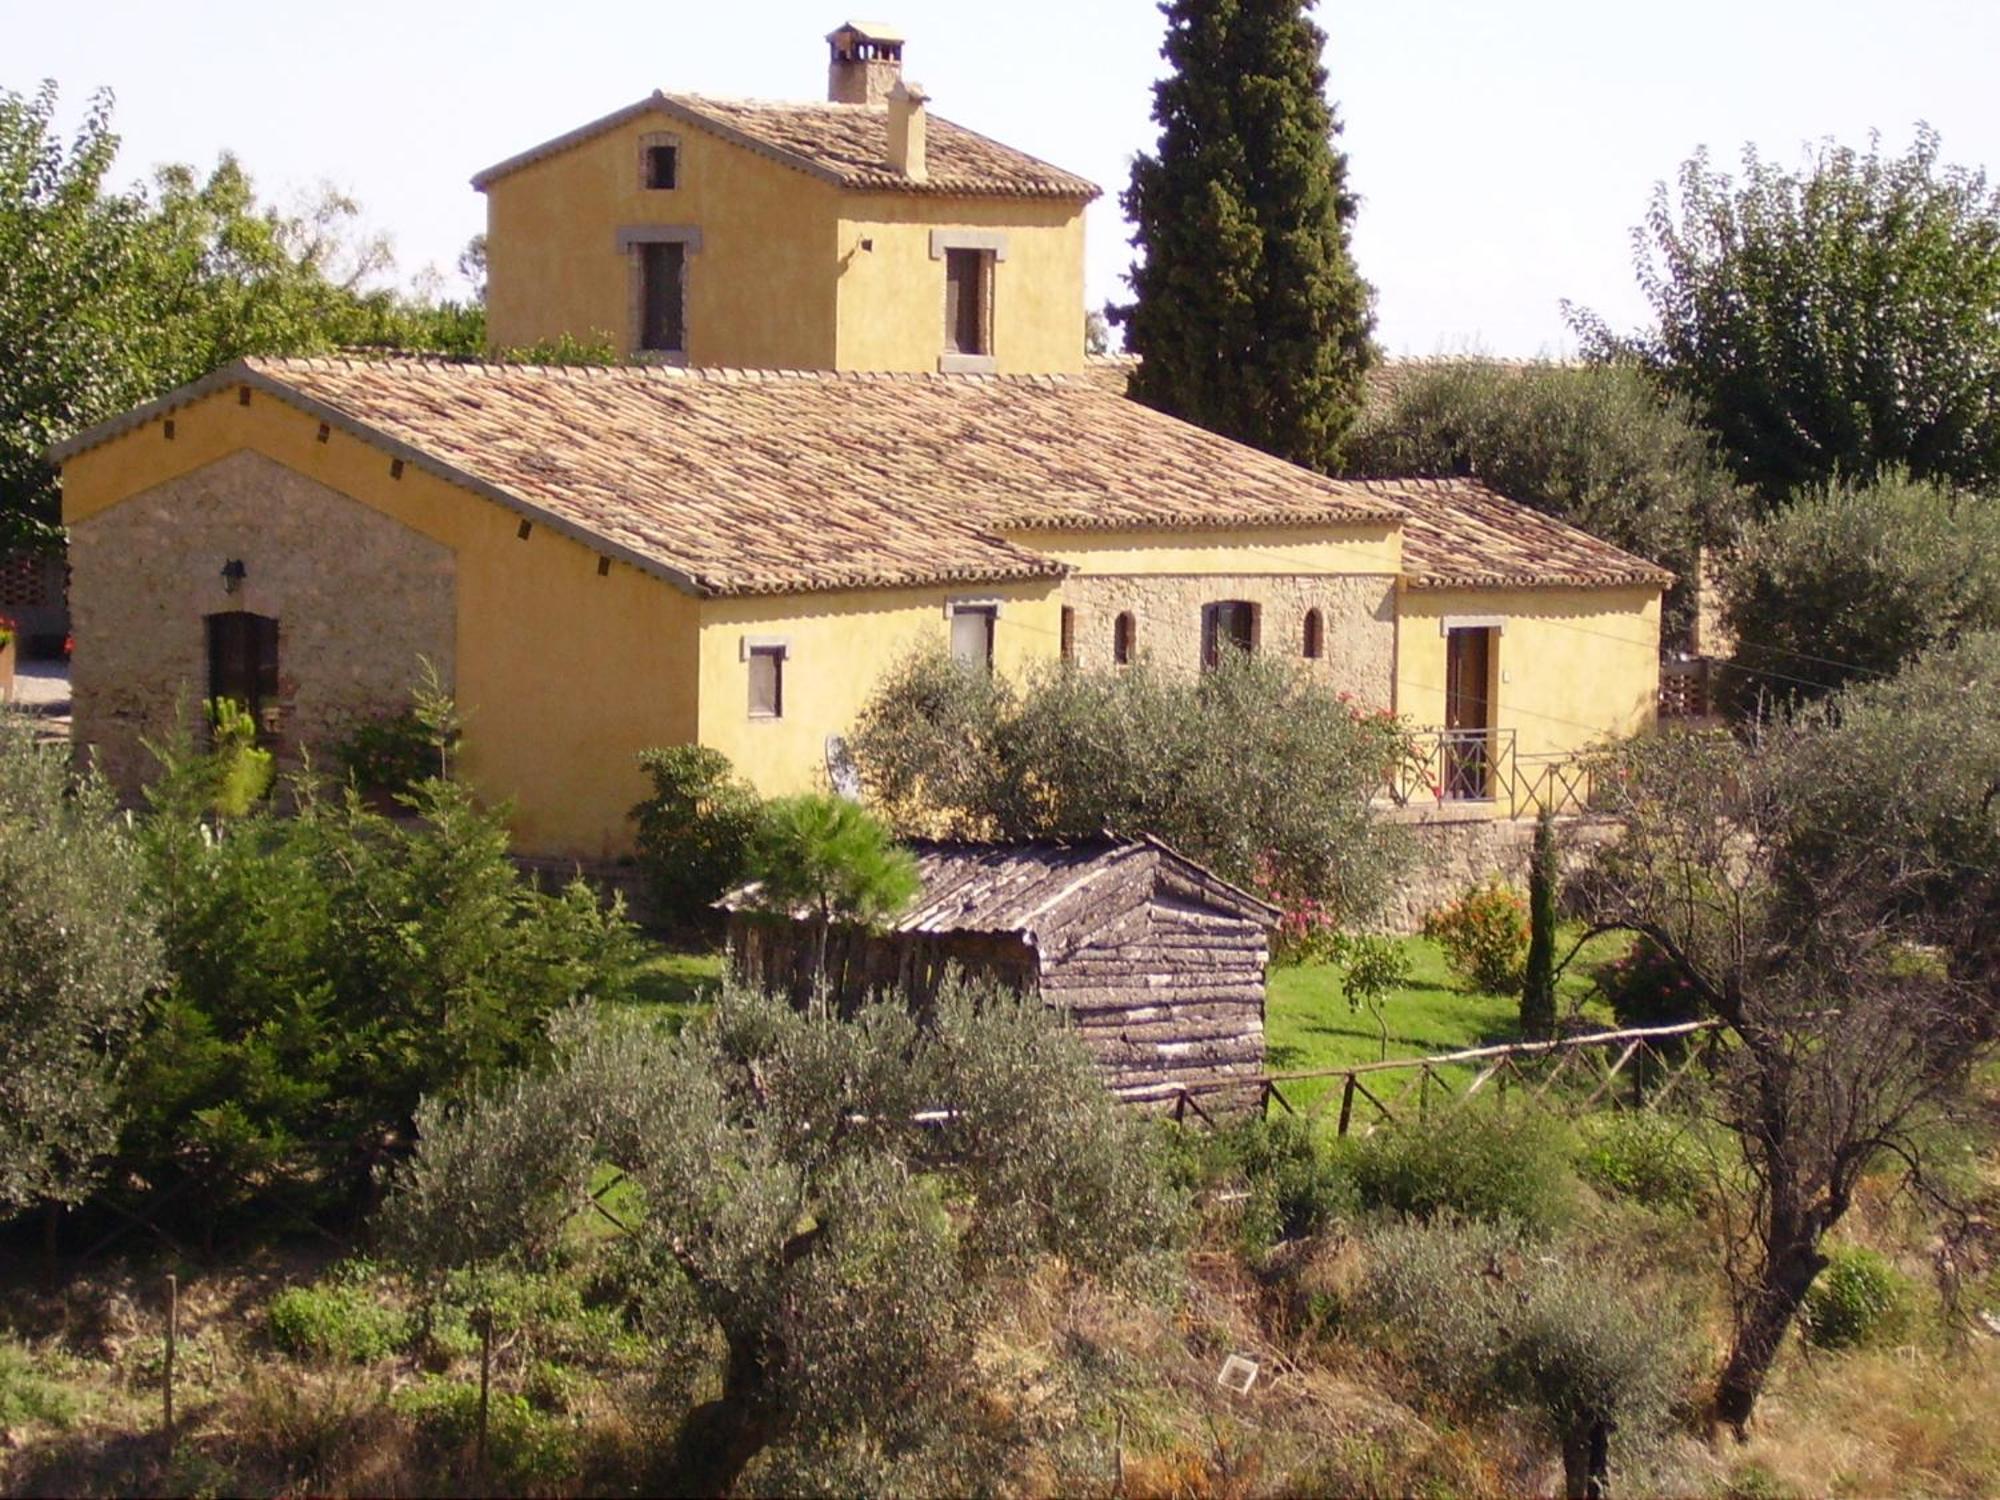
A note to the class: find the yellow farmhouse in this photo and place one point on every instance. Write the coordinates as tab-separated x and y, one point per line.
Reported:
856	420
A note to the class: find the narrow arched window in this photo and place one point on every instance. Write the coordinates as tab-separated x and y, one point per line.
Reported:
1124	639
1068	634
1315	635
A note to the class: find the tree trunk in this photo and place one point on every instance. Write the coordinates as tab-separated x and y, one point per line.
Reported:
1791	1262
1586	1450
721	1437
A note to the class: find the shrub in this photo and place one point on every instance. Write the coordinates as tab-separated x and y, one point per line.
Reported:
524	1448
694	831
388	755
1646	988
1482	1319
28	1396
243	771
78	960
1484	935
1468	1164
333	967
1643	1156
1858	1299
344	1321
1297	1185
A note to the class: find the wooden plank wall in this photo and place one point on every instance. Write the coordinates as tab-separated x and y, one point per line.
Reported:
1163	987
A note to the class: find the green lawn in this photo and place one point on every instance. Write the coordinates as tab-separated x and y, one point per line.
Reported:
1308	1023
678	984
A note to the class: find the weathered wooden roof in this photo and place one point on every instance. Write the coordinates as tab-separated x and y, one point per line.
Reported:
1020	889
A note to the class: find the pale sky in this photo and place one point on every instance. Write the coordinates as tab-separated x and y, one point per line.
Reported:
1503	149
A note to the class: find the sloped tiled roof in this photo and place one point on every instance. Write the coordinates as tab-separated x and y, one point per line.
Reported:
1015	888
731	482
1459	534
845	144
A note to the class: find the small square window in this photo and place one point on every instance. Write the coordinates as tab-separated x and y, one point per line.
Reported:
663	167
767	682
972	635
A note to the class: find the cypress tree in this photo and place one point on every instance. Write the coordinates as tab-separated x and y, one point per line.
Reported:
1538	987
1249	316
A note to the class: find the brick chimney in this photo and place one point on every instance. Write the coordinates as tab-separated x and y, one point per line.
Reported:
906	130
866	63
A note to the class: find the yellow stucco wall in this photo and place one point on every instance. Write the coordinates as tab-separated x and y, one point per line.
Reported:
564	676
1373	548
780	280
840	646
760	291
1575	666
892	297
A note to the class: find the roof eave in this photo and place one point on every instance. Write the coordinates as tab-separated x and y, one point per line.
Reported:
243	373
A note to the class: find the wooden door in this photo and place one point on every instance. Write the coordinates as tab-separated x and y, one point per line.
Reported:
1468	714
243	661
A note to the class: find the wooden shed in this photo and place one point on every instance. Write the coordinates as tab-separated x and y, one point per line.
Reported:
1160	963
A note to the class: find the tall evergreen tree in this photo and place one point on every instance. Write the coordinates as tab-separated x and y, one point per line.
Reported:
1249	316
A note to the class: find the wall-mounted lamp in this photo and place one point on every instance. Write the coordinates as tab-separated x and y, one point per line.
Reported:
233	573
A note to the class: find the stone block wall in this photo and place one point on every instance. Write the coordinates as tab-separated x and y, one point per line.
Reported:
1456	851
1358	612
359	599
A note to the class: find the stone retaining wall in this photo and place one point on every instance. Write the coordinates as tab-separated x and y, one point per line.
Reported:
1457	850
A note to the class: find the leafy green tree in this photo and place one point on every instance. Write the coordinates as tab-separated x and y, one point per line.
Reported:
331	967
1839	321
1599	446
840	1199
1248	314
694	831
828	856
110	297
1258	771
78	960
1853	581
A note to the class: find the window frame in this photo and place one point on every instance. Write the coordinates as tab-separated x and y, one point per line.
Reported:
636	241
651	144
1124	638
777	650
1212	615
990	246
1312	645
986	609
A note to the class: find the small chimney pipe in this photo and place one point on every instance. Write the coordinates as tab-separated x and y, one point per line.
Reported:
907	130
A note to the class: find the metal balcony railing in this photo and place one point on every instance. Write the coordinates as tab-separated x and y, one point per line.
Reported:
1443	766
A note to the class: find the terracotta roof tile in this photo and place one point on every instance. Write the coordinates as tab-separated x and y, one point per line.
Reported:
749	482
1462	535
846	144
734	481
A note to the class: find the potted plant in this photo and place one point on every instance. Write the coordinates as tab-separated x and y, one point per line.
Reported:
8	637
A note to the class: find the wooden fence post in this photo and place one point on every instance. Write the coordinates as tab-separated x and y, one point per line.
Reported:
173	1339
1346	1104
485	1386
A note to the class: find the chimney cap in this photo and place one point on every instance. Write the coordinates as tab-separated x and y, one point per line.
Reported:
910	91
867	31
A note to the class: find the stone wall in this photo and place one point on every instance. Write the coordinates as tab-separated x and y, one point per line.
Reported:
1358	612
358	597
1456	851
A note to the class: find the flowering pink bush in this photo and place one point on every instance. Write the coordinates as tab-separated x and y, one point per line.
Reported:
1646	988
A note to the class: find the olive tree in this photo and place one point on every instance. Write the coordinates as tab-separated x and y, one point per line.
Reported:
1254	768
78	958
840	1198
1830	892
